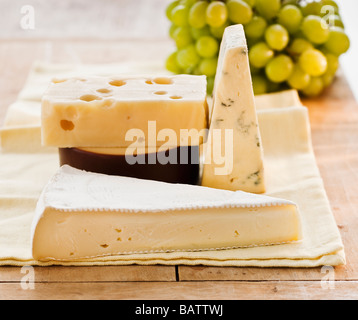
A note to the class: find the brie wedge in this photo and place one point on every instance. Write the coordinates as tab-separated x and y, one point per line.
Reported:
85	215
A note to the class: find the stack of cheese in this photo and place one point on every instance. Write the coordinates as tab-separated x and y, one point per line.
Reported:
140	127
84	214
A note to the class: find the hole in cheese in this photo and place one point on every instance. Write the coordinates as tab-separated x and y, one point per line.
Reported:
176	97
104	246
89	97
163	80
108	103
56	80
160	93
67	125
117	83
104	90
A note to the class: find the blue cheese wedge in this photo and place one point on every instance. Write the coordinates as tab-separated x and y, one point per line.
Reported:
85	215
234	154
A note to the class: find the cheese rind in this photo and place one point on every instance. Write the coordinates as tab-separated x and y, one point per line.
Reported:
234	113
118	215
101	111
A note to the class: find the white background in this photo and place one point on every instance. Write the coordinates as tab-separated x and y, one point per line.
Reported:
349	63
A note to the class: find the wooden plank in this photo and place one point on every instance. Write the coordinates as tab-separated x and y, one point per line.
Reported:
202	273
334	123
231	290
89	274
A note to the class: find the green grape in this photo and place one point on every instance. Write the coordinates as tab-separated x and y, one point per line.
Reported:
279	68
290	17
277	37
268	8
172	29
197	33
332	63
334	20
312	8
327	12
216	14
330	3
259	84
210	84
187	58
197	14
329	7
179	15
239	11
170	7
207	46
218	32
315	29
314	88
182	37
338	41
313	62
298	46
171	63
251	3
311	33
208	66
260	54
187	3
298	79
256	27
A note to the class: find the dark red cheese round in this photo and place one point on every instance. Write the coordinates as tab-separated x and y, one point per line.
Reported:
177	165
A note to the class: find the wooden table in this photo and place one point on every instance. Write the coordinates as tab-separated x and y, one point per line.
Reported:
334	122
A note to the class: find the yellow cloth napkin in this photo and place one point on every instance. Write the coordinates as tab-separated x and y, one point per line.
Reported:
291	170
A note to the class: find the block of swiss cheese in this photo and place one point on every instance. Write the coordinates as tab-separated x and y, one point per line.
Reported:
119	111
84	215
234	154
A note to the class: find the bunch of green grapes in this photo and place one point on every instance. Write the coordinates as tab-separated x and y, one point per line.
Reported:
292	43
